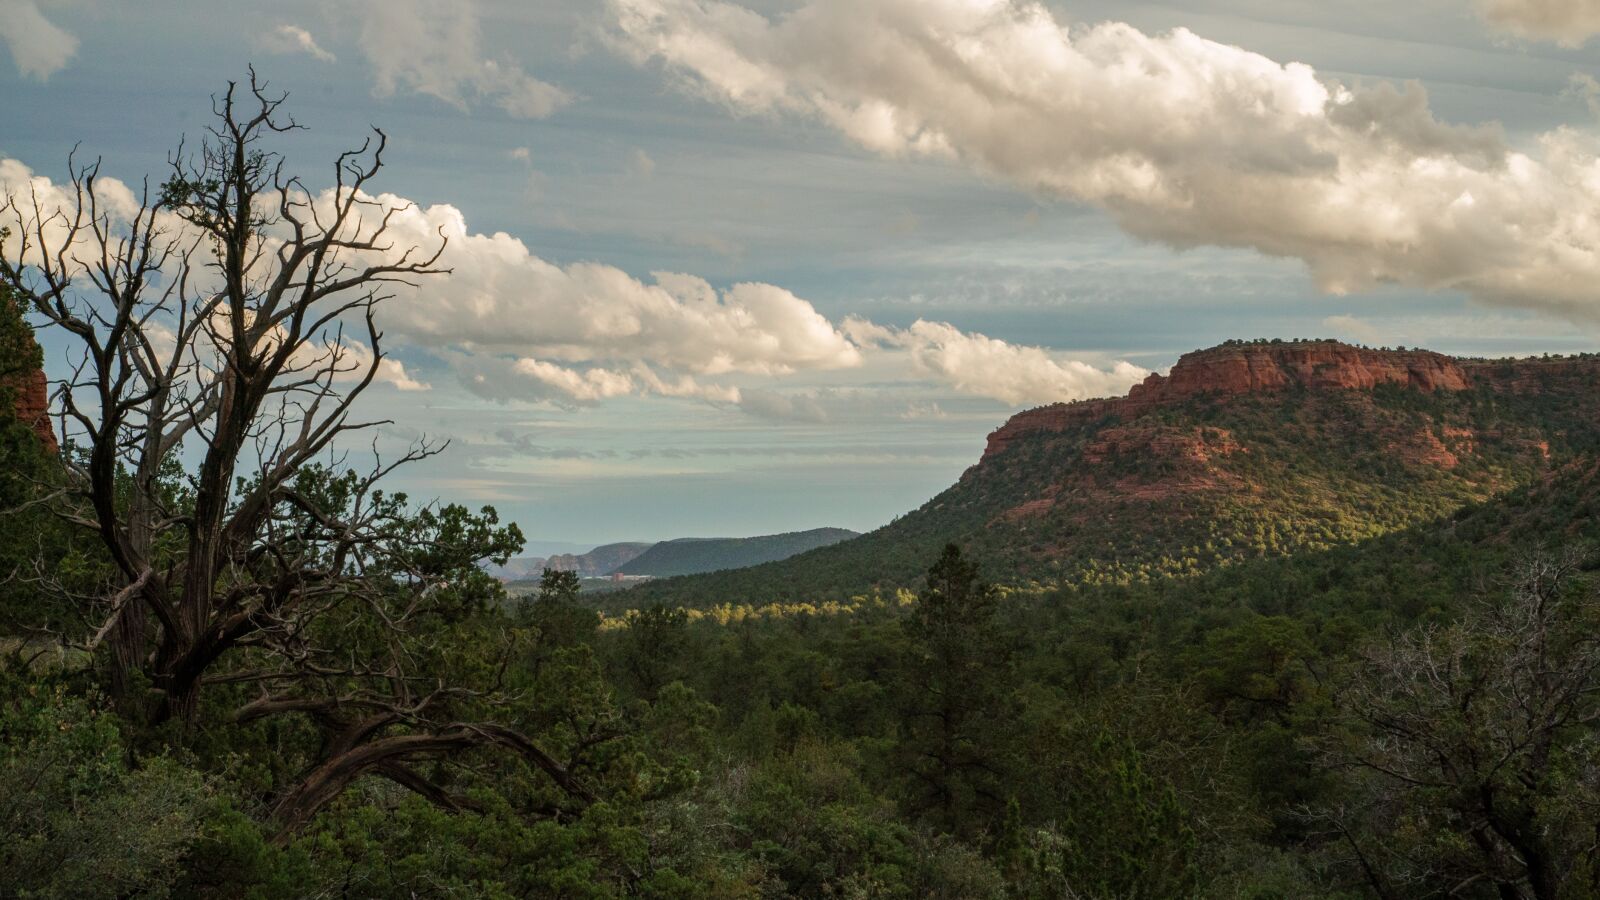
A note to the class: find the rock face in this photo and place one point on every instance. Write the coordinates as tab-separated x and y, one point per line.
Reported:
599	561
1196	445
1255	368
33	405
1237	369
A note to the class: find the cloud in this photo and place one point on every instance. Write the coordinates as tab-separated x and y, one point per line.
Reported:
525	327
38	47
1352	328
432	47
526	445
988	367
825	405
501	297
513	326
287	40
527	379
587	332
783	407
683	386
354	357
55	204
586	386
1569	23
1583	86
1181	140
347	358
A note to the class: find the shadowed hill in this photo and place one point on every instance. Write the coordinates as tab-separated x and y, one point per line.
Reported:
681	556
599	561
687	556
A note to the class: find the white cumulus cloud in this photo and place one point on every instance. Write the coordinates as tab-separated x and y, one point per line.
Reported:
433	47
589	331
1181	139
36	199
1354	329
584	386
502	297
989	367
38	46
514	326
287	40
1566	22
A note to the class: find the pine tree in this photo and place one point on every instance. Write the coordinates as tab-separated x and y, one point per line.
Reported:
953	699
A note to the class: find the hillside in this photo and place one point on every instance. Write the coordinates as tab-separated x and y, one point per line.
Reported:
688	556
601	560
1246	450
680	556
593	564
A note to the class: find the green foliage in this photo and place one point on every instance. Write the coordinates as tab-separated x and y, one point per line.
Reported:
27	472
822	832
1188	705
554	618
1471	746
1126	834
1162	739
953	702
77	820
19	352
651	652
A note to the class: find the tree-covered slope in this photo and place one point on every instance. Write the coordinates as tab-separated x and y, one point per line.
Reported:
1244	451
688	556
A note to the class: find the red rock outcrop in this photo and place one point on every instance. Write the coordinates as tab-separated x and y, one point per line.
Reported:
32	394
1238	369
1424	447
1187	445
1257	368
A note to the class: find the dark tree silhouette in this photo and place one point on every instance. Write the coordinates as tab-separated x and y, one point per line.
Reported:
213	322
1482	729
952	696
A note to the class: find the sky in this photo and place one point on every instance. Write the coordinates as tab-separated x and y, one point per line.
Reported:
734	268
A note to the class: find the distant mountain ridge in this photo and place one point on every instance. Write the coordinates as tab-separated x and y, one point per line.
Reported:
689	556
1249	449
602	560
681	556
593	564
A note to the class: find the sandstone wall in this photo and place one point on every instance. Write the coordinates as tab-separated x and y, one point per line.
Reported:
33	405
1238	369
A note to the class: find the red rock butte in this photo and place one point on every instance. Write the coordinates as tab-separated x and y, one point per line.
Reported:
33	405
1241	368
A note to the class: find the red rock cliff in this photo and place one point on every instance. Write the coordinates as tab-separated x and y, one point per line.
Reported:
1236	369
33	405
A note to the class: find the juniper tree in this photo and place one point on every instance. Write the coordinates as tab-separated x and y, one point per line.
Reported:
225	326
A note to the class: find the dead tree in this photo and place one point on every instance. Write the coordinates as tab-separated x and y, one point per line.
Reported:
228	318
1485	730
